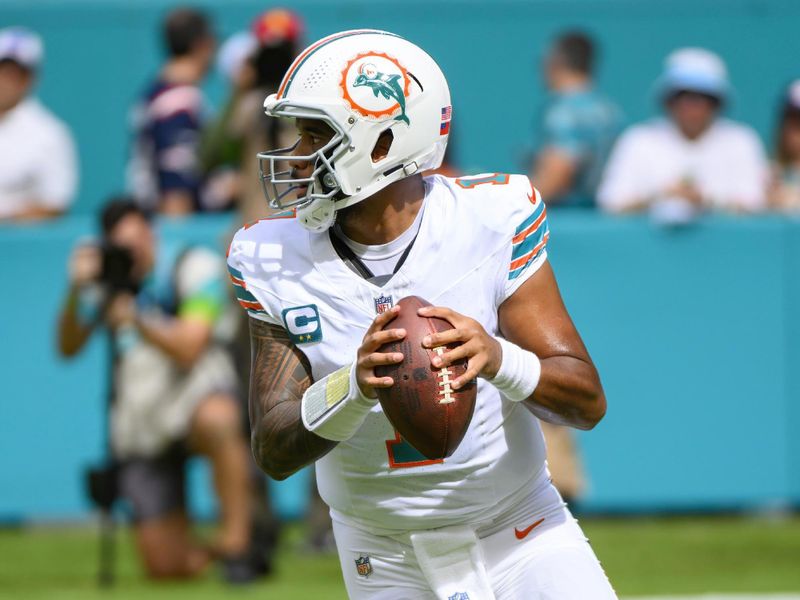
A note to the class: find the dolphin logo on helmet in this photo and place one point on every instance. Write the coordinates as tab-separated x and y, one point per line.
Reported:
387	86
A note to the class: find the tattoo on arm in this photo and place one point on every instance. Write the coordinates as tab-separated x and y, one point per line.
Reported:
279	376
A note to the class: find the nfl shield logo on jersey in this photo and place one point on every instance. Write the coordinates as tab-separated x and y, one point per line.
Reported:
383	303
363	566
459	596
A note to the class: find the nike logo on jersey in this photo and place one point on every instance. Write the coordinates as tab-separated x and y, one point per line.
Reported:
523	533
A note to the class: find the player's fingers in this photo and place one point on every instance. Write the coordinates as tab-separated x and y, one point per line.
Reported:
476	364
452	356
379	382
380	358
448	314
442	338
377	339
382	319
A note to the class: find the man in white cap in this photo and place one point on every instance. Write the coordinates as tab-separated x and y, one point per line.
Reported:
693	159
39	174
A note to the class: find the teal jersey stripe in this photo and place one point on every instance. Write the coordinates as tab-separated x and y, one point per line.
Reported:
519	270
530	242
235	273
333	39
243	294
529	221
289	213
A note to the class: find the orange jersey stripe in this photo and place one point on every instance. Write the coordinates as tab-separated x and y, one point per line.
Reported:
251	305
523	259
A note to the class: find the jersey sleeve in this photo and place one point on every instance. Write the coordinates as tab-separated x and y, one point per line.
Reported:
528	234
241	258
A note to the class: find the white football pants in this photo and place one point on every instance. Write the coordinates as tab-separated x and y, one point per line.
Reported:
554	561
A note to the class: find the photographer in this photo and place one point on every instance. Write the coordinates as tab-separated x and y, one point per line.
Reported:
173	387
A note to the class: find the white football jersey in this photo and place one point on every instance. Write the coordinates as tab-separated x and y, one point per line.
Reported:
480	238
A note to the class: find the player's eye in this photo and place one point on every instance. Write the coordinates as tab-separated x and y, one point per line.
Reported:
308	138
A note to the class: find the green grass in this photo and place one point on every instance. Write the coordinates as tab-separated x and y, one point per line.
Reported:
641	556
695	555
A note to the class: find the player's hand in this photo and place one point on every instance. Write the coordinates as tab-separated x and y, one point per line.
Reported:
482	351
85	263
368	356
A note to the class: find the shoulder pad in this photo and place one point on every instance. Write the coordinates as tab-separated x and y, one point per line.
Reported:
500	198
256	255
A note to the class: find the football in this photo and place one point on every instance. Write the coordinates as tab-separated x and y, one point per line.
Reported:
421	405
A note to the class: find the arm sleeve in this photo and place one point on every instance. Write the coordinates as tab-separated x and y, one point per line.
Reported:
200	285
526	250
58	176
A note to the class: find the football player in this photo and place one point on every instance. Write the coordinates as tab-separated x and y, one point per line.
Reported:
361	228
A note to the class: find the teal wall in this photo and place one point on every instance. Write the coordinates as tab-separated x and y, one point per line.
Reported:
695	332
101	52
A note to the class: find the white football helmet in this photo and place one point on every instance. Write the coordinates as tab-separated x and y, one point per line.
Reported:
361	83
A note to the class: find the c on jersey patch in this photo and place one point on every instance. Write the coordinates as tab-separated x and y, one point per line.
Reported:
303	324
363	566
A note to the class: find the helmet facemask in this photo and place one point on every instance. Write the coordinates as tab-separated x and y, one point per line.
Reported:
278	179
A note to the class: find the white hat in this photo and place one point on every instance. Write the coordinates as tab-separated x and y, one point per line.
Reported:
793	96
694	70
21	45
234	52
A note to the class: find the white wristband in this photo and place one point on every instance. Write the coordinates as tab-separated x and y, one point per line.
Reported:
334	407
519	372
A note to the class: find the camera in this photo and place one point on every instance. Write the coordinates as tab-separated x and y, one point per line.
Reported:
116	271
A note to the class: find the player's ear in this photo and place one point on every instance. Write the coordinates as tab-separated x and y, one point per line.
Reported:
382	146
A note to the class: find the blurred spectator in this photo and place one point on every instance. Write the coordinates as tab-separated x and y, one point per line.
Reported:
164	171
39	171
243	128
693	159
221	150
172	384
785	187
578	126
254	62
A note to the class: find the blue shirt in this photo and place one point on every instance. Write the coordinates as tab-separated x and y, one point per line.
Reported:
583	125
167	123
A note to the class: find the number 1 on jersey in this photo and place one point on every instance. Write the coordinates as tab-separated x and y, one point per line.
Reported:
403	455
470	182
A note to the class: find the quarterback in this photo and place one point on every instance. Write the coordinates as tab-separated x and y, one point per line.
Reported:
360	228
